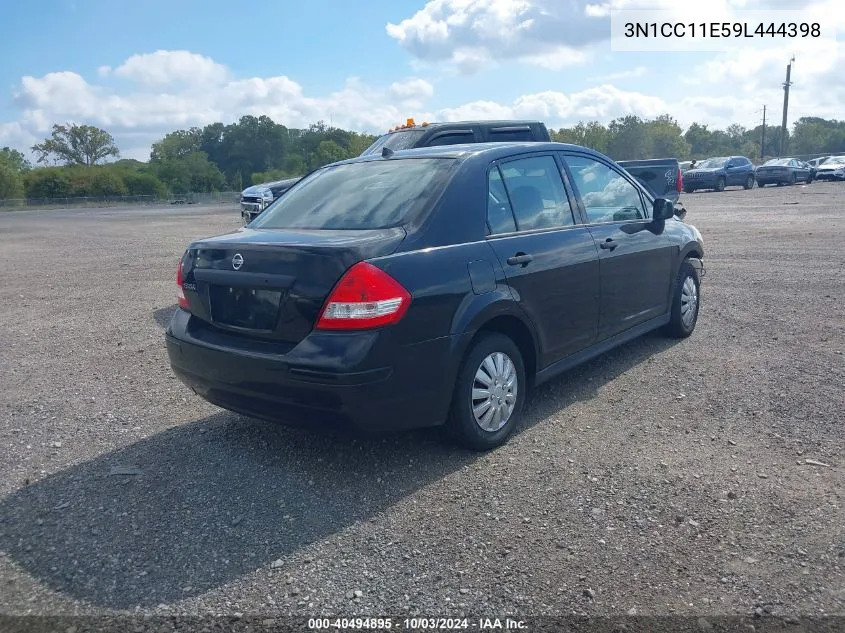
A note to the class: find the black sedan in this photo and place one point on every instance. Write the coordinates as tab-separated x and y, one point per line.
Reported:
783	171
431	286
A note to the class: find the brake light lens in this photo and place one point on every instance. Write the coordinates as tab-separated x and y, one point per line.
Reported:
366	297
181	299
680	180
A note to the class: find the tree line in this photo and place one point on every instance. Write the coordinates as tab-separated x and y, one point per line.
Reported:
218	157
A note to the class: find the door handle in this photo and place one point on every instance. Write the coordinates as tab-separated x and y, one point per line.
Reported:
520	259
609	244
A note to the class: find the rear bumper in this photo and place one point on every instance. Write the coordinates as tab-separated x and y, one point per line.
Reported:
363	380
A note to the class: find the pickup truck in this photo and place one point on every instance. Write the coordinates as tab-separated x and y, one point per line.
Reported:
411	135
256	198
663	177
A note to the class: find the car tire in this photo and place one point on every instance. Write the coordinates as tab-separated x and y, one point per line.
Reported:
685	294
688	189
749	183
466	422
720	184
792	179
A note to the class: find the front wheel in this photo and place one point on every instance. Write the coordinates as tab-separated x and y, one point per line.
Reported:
489	393
720	184
685	303
749	182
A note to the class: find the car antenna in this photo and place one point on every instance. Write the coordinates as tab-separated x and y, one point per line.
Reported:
386	152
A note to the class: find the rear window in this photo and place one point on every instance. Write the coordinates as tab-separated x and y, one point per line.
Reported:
396	141
370	195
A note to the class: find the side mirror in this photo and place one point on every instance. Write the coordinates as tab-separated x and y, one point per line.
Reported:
663	209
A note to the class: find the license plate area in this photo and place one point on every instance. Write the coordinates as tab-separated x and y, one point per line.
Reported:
244	308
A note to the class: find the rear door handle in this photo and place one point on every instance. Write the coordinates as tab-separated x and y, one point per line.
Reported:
520	259
609	244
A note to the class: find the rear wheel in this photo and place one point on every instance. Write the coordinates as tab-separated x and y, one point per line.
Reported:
688	189
749	182
685	303
489	393
720	184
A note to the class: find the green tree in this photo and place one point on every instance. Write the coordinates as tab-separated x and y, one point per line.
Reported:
52	182
11	183
14	159
192	173
178	144
76	145
666	139
629	139
328	152
140	183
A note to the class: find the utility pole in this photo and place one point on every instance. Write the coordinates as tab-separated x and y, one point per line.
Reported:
763	137
786	85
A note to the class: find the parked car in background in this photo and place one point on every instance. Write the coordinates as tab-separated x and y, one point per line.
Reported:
817	161
719	172
661	176
783	171
256	198
831	169
431	286
411	135
685	165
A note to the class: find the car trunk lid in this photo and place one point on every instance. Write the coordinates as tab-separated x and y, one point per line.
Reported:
271	284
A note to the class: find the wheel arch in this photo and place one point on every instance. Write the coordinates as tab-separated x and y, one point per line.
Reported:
505	317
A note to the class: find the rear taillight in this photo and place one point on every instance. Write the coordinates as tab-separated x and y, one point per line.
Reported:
181	299
680	180
365	297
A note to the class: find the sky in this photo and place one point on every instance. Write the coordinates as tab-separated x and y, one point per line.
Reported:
140	70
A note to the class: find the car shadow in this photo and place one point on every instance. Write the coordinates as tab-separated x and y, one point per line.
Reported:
583	383
162	316
195	507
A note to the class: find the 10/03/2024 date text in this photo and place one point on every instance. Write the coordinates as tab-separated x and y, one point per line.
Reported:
415	624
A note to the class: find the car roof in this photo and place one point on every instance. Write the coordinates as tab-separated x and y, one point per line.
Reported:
490	151
439	124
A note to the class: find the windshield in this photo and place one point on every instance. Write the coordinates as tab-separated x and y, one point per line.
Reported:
835	160
712	163
778	161
406	139
369	195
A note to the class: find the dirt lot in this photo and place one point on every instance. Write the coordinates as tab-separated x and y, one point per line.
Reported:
666	477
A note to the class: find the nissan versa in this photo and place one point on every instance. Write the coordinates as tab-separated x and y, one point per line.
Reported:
429	286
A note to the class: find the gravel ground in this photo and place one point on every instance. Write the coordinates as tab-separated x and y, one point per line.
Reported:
663	478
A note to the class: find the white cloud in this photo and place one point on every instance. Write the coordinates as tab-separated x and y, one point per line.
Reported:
411	90
557	108
638	71
158	104
163	68
470	34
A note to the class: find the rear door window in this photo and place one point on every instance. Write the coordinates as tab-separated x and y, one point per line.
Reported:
501	135
535	194
454	138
